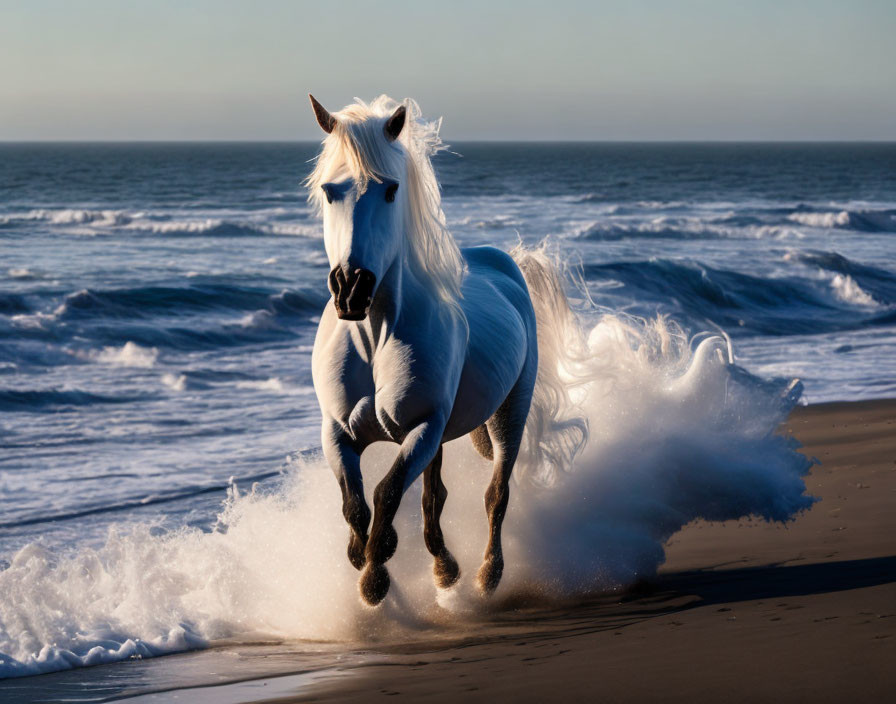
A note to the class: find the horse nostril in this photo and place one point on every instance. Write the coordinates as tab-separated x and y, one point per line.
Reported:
352	290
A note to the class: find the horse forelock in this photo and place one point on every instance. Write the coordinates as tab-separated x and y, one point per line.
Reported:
357	148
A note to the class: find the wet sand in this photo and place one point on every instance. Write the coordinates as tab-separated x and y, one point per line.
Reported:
802	611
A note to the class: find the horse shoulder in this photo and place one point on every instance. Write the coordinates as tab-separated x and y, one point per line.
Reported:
418	369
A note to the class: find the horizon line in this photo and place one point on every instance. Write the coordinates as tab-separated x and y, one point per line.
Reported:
892	140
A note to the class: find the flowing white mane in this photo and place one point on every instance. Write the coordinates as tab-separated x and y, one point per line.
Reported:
357	148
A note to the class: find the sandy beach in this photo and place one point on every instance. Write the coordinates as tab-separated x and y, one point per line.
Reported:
804	611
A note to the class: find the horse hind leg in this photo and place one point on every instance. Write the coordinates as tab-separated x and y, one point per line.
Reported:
505	430
445	567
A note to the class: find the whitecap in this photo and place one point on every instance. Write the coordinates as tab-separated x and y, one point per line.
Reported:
176	382
838	219
129	355
847	290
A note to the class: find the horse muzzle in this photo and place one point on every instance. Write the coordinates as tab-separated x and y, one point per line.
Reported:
352	292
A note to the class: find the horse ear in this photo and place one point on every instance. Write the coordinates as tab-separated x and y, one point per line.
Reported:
395	123
326	121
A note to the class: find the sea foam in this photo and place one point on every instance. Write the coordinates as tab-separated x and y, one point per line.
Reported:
677	433
130	355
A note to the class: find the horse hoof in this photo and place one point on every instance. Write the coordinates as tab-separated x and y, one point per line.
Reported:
446	571
356	555
490	575
374	584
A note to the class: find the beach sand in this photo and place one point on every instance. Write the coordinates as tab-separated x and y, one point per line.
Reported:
741	611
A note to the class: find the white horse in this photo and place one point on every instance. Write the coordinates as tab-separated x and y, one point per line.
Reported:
424	342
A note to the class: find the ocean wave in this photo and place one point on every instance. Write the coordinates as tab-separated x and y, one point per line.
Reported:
495	222
861	220
75	216
212	227
678	228
199	380
275	385
145	300
175	382
22	274
163	223
660	228
863	280
737	301
41	400
847	290
130	355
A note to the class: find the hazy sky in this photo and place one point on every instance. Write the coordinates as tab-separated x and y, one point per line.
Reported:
635	69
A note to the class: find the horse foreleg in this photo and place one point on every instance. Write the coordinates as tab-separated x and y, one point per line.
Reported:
505	430
445	569
345	461
417	451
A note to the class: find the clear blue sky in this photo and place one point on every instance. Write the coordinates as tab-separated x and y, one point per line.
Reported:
551	69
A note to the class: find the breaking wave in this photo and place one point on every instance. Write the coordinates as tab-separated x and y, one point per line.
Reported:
834	294
161	223
861	220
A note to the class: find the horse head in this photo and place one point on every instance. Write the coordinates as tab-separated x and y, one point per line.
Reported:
363	217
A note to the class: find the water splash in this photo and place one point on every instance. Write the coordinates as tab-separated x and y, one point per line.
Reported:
678	433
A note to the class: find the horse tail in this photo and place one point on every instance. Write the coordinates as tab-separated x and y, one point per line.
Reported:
556	430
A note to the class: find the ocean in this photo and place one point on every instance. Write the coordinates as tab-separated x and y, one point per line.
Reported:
159	304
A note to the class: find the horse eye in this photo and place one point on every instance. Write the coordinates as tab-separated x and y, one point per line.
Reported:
328	191
390	193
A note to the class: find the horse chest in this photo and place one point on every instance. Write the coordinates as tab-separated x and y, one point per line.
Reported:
376	392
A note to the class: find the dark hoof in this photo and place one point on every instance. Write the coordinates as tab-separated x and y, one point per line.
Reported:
374	584
490	575
446	571
356	547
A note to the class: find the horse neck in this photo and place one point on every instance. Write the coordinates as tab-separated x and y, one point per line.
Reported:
401	286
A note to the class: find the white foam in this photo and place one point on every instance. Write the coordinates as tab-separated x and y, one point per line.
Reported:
847	290
21	273
129	355
174	226
838	219
77	216
33	321
272	384
275	385
676	434
297	230
175	382
200	226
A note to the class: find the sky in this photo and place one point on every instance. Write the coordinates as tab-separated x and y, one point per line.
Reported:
493	69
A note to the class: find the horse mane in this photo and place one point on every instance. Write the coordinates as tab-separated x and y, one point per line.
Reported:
357	148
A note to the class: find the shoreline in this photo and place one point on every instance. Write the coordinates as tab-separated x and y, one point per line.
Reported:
740	611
